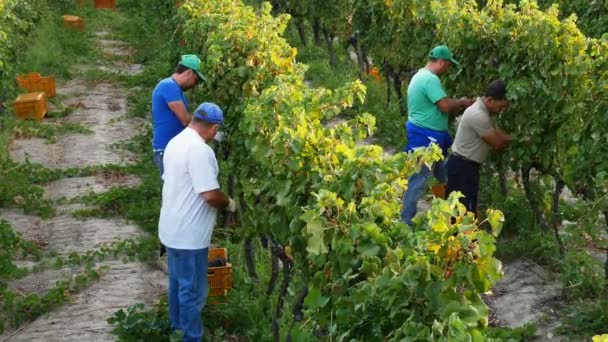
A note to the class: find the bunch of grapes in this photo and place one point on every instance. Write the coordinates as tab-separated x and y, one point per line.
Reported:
218	262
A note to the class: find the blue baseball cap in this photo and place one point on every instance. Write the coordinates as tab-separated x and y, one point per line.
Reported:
209	112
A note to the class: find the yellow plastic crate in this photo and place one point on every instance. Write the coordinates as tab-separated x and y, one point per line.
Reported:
34	82
219	278
73	21
30	106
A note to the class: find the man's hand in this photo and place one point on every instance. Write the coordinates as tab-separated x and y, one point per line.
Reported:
466	102
497	138
506	138
179	109
218	136
231	206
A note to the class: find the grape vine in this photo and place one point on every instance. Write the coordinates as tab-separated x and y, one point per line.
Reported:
327	207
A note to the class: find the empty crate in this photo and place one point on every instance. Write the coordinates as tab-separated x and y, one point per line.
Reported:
30	106
73	22
34	82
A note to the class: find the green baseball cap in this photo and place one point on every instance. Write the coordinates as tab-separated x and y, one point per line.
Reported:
442	52
194	63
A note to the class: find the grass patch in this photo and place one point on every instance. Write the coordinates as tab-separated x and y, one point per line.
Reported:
140	204
48	131
587	318
524	333
54	49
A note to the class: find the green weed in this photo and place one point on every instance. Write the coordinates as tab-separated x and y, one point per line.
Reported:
54	49
587	318
582	275
526	332
48	131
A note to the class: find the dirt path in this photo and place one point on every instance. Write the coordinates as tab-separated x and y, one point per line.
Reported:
527	293
100	106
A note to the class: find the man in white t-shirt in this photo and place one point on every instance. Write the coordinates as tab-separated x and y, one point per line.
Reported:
191	197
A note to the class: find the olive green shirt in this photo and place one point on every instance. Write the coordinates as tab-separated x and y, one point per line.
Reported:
474	123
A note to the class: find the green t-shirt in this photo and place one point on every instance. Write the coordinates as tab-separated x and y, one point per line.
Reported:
422	94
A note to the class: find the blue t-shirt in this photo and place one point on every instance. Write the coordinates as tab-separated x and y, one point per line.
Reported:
166	125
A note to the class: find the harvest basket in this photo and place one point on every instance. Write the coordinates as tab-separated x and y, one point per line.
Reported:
34	82
219	278
30	106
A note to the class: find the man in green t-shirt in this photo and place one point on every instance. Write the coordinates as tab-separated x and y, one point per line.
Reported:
428	108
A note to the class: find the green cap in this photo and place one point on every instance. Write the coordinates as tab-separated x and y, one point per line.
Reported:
194	63
442	52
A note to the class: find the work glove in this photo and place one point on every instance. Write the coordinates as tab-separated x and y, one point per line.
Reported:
218	136
231	206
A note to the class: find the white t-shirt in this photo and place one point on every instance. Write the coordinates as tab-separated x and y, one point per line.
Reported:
186	220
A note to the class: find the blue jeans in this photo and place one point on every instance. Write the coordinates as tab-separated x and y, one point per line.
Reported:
158	160
415	189
188	289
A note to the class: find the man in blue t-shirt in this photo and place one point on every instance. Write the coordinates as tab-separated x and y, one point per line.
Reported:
170	114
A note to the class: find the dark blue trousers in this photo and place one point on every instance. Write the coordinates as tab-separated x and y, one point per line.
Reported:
463	176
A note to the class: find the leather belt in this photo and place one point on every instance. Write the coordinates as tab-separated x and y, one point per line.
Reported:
465	159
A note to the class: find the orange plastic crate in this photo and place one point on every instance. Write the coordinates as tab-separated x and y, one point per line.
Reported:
30	106
219	278
34	82
105	4
438	190
375	73
73	22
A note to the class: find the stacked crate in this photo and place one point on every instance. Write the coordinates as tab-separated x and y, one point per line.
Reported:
32	105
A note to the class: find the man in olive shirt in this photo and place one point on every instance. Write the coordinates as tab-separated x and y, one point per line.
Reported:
428	109
476	135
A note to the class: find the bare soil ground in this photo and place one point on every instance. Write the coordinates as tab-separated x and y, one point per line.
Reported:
100	106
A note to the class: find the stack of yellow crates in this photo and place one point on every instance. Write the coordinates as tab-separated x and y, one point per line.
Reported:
32	105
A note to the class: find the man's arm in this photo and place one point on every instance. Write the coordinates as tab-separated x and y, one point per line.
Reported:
216	198
497	138
203	170
436	93
180	111
453	106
